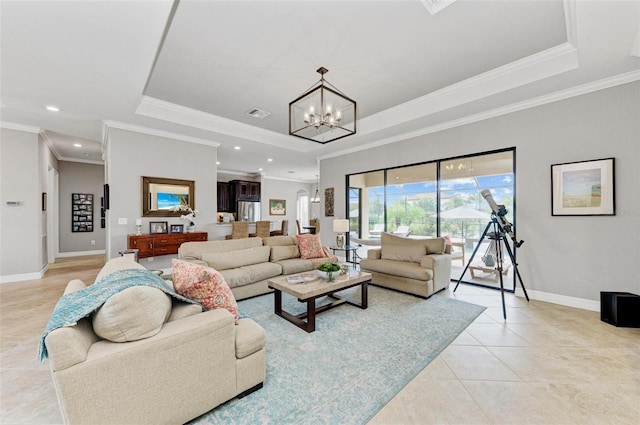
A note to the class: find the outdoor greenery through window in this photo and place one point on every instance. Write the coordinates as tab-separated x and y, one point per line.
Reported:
412	201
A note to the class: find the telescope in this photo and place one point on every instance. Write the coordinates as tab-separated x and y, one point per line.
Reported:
499	212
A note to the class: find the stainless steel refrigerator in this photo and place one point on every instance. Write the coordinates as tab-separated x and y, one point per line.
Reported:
248	211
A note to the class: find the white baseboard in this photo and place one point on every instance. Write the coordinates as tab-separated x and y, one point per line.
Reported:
79	253
560	299
22	276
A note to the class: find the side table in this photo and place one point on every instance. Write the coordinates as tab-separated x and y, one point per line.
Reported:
351	252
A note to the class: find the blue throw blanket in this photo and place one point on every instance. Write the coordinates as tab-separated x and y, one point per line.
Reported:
80	304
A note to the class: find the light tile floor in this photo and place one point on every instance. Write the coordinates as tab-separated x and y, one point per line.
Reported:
546	364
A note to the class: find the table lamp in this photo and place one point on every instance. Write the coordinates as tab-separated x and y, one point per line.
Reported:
340	226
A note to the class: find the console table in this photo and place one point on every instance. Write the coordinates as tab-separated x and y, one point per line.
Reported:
153	245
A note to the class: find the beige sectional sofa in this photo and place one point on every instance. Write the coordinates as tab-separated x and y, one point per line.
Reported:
247	264
417	266
195	362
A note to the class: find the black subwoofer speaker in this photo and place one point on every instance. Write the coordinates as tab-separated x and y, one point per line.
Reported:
620	309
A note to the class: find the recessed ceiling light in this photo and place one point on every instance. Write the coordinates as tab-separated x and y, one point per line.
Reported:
77	145
237	148
52	108
260	169
217	162
270	159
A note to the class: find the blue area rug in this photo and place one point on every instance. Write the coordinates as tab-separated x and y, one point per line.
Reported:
352	365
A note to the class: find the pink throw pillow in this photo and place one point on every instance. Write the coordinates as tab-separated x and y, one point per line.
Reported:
204	285
310	246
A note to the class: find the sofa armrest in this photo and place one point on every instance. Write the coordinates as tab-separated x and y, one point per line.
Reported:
441	266
374	254
70	345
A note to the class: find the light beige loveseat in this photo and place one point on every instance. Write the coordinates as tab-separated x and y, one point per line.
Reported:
417	266
247	264
196	361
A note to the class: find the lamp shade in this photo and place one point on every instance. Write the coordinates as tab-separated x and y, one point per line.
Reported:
341	225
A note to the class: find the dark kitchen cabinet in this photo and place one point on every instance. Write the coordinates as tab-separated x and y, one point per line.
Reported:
225	203
245	191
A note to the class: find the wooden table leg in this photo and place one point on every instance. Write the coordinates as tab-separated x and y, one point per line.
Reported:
365	295
277	301
311	315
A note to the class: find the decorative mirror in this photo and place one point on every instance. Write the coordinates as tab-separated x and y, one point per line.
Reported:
160	195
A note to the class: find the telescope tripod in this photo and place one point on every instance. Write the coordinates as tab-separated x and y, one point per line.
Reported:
498	235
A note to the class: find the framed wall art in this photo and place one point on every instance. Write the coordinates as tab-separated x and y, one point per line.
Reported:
583	188
81	212
328	202
277	207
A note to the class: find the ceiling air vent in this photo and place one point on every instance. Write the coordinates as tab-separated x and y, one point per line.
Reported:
258	113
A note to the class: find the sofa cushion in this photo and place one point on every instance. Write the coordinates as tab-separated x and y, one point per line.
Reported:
279	240
132	314
250	337
431	245
249	274
295	265
239	258
411	253
397	268
284	252
118	263
204	285
194	250
435	245
310	246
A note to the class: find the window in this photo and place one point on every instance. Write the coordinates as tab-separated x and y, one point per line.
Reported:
439	198
302	207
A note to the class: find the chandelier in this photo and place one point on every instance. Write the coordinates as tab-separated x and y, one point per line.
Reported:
316	197
323	113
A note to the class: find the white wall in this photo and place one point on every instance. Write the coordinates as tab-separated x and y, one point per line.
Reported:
282	189
566	256
77	177
131	155
24	160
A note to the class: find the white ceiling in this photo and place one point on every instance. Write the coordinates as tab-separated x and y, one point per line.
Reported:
194	68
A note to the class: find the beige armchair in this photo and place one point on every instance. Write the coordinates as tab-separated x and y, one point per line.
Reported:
417	266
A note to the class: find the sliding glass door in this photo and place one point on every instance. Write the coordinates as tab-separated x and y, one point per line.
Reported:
439	198
464	214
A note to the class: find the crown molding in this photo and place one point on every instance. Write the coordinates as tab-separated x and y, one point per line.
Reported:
107	125
547	63
435	6
236	173
83	161
570	21
602	84
49	143
171	112
20	127
285	179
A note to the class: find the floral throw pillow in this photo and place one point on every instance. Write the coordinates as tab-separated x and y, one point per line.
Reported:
204	285
310	246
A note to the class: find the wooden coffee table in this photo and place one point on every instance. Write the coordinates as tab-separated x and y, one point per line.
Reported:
309	291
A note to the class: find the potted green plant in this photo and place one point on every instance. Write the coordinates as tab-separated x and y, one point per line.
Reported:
326	270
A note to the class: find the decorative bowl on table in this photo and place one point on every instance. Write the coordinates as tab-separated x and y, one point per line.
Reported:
328	271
